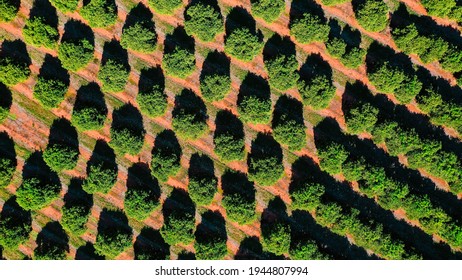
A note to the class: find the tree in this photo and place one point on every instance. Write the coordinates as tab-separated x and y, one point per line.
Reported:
243	44
276	239
50	92
38	33
6	100
74	218
52	243
229	147
282	72
125	140
7	168
268	10
113	75
372	15
214	87
139	37
13	71
8	10
89	112
265	161
178	228
362	118
35	193
101	177
100	13
306	196
439	8
189	115
166	156
75	54
65	5
307	250
165	7
60	156
179	63
255	109
317	92
332	157
334	2
152	102
203	21
202	190
213	248
290	132
114	237
309	28
140	202
15	225
451	61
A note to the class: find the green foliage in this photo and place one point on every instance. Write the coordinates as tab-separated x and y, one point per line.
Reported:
139	203
265	171
203	21
309	28
362	118
113	76
7	168
215	87
439	8
165	165
336	47
291	133
75	55
254	109
35	194
112	244
165	7
100	178
276	239
329	214
243	45
153	102
38	33
452	59
211	249
65	5
13	234
13	71
282	72
8	10
74	218
239	208
188	125
392	80
139	37
372	15
88	118
100	13
334	2
397	139
178	228
49	92
180	63
229	147
202	190
306	196
268	10
307	251
436	50
332	157
60	157
318	92
353	58
126	140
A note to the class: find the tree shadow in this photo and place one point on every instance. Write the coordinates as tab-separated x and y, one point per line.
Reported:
286	109
75	31
150	245
35	167
237	18
140	14
187	102
212	227
378	54
179	38
52	242
102	154
201	167
43	9
254	86
166	143
227	123
77	197
7	147
215	63
114	51
140	178
179	203
6	99
328	131
185	255
315	66
250	249
63	133
128	117
277	45
53	69
151	77
300	7
264	146
113	223
91	96
87	252
352	37
15	50
14	216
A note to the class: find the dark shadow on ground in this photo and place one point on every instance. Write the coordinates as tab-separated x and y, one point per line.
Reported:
150	245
